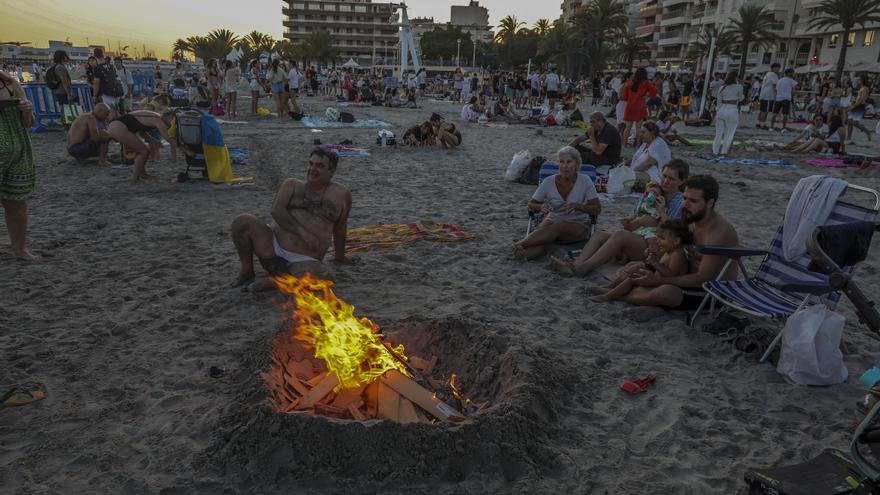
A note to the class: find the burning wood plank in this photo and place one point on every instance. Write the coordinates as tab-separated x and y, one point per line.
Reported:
356	412
421	396
321	389
407	412
313	381
425	366
389	403
371	397
348	396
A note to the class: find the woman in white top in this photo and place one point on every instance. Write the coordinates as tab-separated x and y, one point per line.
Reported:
231	76
651	156
805	140
727	118
566	200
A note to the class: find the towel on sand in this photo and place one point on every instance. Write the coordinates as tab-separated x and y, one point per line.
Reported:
709	141
395	235
835	163
345	150
757	162
310	122
239	156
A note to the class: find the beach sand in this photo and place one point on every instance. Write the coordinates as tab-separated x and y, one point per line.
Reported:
128	310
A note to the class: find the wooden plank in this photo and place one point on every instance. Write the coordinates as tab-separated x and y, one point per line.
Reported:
316	379
421	396
425	366
327	410
407	412
348	396
356	413
301	369
371	397
320	391
389	403
296	384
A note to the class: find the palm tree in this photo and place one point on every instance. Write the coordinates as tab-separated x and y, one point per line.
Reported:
179	49
725	42
198	46
630	49
543	26
559	45
595	23
755	25
221	42
508	27
847	14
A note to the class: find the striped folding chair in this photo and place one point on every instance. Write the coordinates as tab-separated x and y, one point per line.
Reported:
780	287
548	169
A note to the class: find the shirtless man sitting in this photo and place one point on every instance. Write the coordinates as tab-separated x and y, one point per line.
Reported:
88	137
305	215
685	292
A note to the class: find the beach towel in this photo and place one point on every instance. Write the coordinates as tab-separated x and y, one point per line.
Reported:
710	141
756	162
345	151
810	204
835	163
391	236
239	156
310	122
494	125
238	122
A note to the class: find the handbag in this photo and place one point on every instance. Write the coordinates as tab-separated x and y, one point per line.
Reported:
70	112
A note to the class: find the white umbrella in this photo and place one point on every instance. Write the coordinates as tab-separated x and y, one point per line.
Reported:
806	69
351	64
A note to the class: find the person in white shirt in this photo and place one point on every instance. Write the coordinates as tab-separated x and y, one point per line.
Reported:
616	83
767	96
568	201
294	79
727	118
815	130
231	78
651	156
127	79
37	71
552	81
784	96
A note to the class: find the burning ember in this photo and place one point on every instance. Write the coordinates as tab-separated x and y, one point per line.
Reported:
335	364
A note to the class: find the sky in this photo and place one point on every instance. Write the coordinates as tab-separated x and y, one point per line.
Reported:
157	23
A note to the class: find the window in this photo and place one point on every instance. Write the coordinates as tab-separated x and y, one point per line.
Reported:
832	42
851	39
869	38
782	48
767	57
755	48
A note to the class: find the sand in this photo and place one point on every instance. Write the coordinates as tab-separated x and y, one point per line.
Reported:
129	309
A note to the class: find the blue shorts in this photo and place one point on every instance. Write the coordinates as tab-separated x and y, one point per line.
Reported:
278	88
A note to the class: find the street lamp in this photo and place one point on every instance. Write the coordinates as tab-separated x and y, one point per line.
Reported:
474	55
458	53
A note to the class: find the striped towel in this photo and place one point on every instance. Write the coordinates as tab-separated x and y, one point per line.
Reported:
756	162
396	235
310	122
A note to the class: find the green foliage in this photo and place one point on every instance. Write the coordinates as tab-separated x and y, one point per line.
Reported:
443	43
847	14
754	25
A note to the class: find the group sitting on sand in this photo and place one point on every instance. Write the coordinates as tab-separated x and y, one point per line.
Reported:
432	132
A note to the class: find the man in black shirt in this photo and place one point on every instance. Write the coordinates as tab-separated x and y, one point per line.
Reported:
604	142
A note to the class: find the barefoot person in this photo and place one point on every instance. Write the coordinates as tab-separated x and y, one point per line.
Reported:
567	200
685	292
133	128
17	175
305	215
630	243
88	137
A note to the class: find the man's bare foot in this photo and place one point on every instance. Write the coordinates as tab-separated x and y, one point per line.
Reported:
519	253
243	279
25	256
562	266
262	284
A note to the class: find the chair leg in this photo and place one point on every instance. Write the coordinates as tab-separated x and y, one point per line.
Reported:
700	309
772	345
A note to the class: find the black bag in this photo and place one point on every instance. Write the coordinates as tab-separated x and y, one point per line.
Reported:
110	84
51	78
346	117
531	173
576	115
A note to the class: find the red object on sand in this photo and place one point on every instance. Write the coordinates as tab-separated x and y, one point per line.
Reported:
637	386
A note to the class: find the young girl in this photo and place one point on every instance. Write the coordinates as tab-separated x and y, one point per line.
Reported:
666	122
671	261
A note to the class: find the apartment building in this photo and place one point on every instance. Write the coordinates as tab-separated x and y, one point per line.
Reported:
824	44
472	19
359	28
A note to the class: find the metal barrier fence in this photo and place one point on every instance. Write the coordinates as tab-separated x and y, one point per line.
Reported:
46	106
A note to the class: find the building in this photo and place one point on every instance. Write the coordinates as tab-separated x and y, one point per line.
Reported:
27	54
570	8
472	19
359	28
823	46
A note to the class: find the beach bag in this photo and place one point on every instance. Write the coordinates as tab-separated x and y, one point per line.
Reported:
70	112
51	78
618	178
346	117
518	163
531	173
811	347
189	127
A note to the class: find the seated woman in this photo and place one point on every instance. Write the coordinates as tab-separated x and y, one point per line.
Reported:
668	124
569	103
834	138
392	98
668	260
626	244
503	107
445	133
567	200
815	130
471	112
420	135
651	155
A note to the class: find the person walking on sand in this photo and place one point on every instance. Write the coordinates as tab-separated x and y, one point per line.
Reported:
17	174
254	85
636	94
231	76
727	118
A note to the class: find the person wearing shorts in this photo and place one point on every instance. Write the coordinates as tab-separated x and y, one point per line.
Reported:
767	96
784	95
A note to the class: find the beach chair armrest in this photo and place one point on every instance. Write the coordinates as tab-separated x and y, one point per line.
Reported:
729	252
812	288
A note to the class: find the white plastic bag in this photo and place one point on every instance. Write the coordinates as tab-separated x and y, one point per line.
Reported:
618	177
811	347
519	163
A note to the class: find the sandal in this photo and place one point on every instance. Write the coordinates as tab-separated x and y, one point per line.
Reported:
755	340
19	396
724	324
637	386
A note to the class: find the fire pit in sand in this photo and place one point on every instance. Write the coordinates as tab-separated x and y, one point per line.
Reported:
334	364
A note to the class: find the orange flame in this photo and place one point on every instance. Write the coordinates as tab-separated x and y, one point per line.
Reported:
352	348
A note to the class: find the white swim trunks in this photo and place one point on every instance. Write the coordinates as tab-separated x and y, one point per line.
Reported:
289	256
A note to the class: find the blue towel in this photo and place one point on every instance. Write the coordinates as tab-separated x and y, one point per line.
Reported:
310	122
757	162
240	156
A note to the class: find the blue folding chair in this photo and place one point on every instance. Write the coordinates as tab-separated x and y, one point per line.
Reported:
549	169
780	287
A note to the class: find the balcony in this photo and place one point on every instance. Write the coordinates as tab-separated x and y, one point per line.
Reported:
646	30
670	3
672	38
647	12
673	19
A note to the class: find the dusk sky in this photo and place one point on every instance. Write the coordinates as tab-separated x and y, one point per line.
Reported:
157	23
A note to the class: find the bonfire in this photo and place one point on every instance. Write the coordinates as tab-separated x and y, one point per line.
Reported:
332	363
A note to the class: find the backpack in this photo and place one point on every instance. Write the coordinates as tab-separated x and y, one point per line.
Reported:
52	79
346	117
189	127
110	84
530	174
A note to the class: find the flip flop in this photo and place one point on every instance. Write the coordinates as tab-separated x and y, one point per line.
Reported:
637	386
17	396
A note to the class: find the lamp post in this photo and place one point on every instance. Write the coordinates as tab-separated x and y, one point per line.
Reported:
458	53
474	55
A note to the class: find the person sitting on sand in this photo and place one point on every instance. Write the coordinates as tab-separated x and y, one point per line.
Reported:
445	133
604	142
668	124
668	260
567	200
420	135
472	111
305	216
87	137
833	137
133	128
630	243
816	129
651	156
503	108
685	292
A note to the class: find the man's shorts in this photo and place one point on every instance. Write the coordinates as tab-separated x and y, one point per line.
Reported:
766	106
782	106
553	95
85	149
535	93
110	101
690	300
685	101
857	113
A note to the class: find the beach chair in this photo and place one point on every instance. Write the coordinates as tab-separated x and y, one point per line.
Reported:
780	287
548	169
